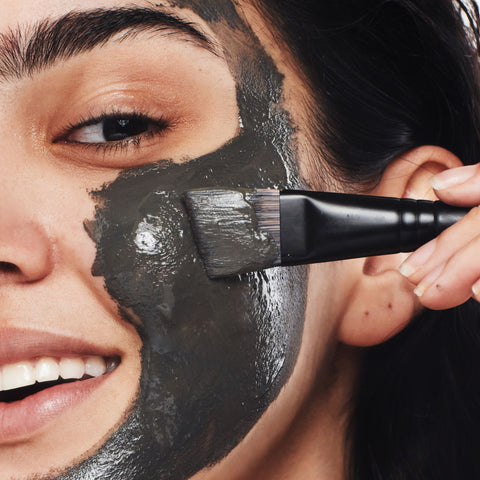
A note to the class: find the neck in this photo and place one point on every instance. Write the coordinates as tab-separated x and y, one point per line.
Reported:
314	446
311	442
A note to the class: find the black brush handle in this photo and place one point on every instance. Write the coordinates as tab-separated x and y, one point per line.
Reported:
320	226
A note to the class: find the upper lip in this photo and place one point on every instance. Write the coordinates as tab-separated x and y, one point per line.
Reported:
24	344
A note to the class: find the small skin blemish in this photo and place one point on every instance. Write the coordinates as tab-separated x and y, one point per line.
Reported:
367	313
390	306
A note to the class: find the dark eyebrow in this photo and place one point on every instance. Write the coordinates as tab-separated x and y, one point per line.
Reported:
26	51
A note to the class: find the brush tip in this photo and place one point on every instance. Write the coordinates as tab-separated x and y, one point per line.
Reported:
226	229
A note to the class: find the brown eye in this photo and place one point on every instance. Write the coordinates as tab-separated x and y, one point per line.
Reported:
114	128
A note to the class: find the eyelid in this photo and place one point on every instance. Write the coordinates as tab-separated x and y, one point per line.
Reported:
161	124
118	153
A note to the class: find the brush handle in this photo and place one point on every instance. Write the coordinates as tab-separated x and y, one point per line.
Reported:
319	226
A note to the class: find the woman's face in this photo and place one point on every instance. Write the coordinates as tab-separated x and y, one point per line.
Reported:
110	114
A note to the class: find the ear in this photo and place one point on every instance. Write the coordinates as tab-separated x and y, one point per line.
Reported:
381	301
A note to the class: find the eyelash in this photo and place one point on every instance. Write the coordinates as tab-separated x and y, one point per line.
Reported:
158	127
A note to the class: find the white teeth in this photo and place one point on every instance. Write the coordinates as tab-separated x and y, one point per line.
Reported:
72	368
95	366
18	375
48	369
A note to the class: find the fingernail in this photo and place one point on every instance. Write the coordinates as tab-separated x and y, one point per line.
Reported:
430	279
420	290
476	288
451	177
418	258
407	270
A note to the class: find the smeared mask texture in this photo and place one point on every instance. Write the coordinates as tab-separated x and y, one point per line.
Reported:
215	353
226	230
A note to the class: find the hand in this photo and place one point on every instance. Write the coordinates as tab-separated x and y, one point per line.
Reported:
446	271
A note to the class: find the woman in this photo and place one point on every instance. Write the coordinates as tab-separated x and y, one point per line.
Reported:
114	109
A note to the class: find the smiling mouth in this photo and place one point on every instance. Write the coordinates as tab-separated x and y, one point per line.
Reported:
45	376
26	378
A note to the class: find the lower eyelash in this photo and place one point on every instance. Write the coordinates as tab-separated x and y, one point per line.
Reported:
119	145
160	126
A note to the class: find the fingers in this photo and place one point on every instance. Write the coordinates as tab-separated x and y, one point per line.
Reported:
451	283
458	186
446	271
439	250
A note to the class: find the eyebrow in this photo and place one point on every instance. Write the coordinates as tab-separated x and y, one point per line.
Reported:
24	51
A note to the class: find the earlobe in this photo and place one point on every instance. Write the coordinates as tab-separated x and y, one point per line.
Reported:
381	300
379	307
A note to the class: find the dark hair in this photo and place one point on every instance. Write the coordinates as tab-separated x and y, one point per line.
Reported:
389	76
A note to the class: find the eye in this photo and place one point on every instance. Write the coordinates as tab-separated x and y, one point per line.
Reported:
114	129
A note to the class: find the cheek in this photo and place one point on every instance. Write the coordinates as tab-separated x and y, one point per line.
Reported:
215	353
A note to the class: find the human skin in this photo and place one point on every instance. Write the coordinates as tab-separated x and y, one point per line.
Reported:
129	426
445	270
147	421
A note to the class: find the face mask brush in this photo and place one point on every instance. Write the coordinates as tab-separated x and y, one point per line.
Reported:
240	231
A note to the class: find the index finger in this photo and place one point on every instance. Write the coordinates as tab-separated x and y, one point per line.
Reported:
458	186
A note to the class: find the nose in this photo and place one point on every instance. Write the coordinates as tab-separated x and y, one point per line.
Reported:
26	251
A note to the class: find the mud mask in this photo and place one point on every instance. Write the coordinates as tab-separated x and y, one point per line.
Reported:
215	353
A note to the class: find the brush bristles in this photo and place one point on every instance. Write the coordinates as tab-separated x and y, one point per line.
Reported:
267	208
236	231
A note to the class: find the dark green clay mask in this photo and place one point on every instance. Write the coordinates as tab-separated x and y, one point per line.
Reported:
215	353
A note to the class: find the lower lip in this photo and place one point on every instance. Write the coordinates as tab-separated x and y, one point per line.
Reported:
19	420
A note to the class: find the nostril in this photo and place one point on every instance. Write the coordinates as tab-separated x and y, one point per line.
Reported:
26	249
7	267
